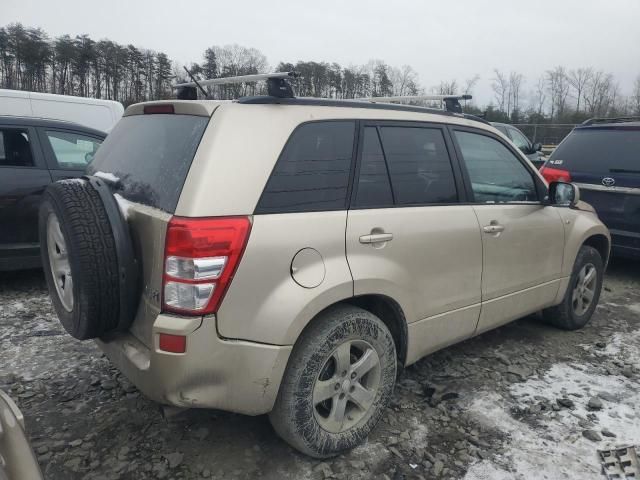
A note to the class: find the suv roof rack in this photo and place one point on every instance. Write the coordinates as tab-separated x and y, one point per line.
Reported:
595	120
277	85
451	102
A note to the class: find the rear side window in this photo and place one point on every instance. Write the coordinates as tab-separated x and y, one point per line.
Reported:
312	173
151	155
419	165
599	150
374	188
71	150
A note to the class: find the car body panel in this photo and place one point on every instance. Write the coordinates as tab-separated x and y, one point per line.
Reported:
17	459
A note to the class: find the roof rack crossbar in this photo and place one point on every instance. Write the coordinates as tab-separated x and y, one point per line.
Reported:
630	118
451	102
277	85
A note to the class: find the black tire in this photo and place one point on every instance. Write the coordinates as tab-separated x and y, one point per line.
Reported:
564	315
294	416
91	251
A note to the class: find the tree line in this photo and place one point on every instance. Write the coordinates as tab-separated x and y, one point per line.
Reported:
31	60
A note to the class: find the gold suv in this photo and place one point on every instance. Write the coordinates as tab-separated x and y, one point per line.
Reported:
289	256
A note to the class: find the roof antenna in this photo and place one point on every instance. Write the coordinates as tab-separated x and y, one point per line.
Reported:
190	92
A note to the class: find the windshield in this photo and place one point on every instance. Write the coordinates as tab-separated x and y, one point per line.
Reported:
600	150
151	156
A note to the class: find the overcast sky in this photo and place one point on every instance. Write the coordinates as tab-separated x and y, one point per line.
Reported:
441	40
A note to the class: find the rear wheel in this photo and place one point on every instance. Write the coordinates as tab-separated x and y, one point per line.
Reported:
583	292
339	379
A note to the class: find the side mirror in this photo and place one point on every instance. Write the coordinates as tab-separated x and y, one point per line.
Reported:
537	147
563	194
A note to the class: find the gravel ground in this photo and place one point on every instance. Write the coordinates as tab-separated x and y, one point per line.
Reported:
525	401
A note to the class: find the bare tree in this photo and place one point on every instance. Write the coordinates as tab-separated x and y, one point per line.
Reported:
500	87
515	83
578	80
469	84
558	87
540	96
635	96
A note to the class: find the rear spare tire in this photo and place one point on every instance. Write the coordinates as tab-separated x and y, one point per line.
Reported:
80	258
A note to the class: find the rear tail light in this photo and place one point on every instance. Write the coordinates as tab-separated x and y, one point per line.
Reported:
555	174
201	257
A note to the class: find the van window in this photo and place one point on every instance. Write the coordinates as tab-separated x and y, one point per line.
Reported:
419	165
72	151
312	173
15	148
151	155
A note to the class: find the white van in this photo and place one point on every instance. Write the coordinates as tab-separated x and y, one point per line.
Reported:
90	112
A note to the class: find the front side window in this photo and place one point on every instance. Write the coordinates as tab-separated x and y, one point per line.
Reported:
496	174
15	148
419	165
312	173
72	151
519	139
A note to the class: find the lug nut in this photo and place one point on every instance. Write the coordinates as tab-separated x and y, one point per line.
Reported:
337	386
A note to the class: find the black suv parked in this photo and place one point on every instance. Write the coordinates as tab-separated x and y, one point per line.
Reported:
34	153
602	157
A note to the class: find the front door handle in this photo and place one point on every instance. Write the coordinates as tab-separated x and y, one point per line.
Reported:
493	228
376	238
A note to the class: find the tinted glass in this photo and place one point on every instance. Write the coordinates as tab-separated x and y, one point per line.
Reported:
519	139
151	155
313	170
419	165
374	189
496	174
600	151
72	150
15	148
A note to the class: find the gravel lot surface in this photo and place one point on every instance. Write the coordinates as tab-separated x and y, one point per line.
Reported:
525	401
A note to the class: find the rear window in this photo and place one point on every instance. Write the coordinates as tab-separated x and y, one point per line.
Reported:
151	155
599	150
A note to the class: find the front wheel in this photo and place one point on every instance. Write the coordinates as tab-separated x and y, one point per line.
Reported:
338	381
583	292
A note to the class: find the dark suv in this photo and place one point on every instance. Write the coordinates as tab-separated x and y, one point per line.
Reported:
602	157
34	153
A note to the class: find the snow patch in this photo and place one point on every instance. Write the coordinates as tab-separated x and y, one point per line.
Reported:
634	307
73	180
108	177
125	205
556	447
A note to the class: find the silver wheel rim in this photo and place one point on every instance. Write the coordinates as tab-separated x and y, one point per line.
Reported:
585	289
59	262
346	388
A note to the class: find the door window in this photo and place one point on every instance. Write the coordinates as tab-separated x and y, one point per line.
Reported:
519	140
374	187
496	174
15	148
72	151
419	165
312	173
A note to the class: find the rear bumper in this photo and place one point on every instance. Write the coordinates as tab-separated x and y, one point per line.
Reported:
231	375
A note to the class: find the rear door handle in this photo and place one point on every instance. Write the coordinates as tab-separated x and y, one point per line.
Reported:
493	228
376	238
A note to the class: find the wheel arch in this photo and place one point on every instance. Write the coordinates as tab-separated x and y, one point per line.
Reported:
602	244
383	307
